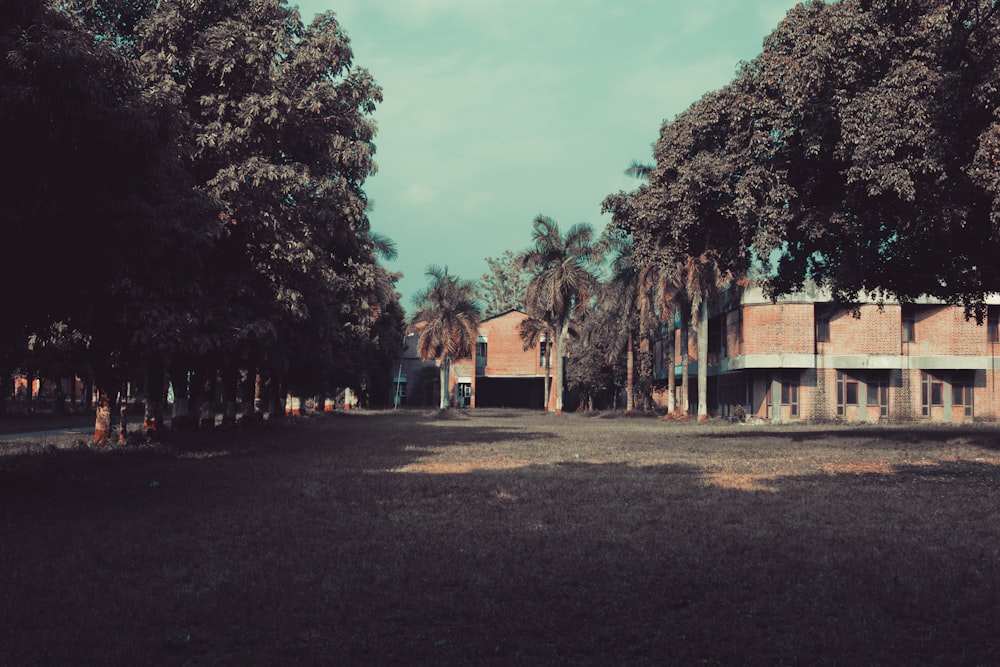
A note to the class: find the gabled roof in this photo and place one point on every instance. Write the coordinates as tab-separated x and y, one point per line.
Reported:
506	312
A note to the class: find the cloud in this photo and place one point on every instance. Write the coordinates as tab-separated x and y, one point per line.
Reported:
419	195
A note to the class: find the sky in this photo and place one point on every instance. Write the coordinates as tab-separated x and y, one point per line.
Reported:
496	111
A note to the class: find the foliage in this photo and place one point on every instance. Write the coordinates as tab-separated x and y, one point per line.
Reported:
503	287
562	282
194	171
858	150
448	319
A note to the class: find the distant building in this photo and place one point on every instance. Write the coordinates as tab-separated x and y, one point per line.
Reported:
502	372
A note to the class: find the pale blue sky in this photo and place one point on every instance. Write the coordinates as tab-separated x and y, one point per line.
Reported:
498	110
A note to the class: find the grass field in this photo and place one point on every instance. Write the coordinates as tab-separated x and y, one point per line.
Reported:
492	537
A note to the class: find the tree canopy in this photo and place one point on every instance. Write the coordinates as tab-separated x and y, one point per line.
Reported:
191	185
859	150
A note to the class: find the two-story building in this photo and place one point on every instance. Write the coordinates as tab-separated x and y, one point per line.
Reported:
803	357
503	373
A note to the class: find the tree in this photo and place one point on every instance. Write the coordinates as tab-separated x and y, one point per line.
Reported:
448	319
562	282
532	332
702	281
273	127
502	288
98	186
859	150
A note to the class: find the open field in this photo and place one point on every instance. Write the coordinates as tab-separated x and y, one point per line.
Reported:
508	537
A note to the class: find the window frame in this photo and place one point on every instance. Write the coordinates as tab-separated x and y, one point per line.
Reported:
881	390
845	385
790	395
908	324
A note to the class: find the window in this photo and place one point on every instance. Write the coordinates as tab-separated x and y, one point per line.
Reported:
847	392
822	325
961	395
739	331
993	324
790	395
543	350
931	393
481	353
909	326
878	394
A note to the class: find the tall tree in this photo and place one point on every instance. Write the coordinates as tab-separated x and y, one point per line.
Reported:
532	332
562	282
274	128
859	150
448	319
502	287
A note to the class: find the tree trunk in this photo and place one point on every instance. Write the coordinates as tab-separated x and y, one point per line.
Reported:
230	388
671	351
30	378
123	415
102	423
630	377
685	399
251	397
548	374
560	364
88	394
443	372
204	399
703	360
181	411
152	421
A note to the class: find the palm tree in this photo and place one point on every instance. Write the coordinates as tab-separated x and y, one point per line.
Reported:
702	280
449	319
562	282
532	331
661	284
628	299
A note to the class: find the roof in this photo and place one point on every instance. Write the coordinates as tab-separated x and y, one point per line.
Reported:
506	312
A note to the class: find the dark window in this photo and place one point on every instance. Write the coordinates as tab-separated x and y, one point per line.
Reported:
878	394
790	396
851	392
993	324
961	395
931	393
481	354
847	392
542	351
822	324
909	326
739	331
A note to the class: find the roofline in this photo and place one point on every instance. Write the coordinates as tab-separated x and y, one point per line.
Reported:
506	312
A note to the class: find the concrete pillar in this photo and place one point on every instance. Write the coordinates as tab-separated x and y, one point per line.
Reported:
775	400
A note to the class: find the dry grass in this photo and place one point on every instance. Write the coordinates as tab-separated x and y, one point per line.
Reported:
508	537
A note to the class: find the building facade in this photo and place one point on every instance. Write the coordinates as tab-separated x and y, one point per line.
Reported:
502	372
803	357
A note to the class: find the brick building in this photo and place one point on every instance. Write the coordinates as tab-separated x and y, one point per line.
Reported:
802	357
502	374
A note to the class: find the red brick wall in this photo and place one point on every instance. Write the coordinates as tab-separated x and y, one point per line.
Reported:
944	330
505	353
778	328
873	331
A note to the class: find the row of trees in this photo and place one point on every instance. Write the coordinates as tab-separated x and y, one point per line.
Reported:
586	297
188	201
